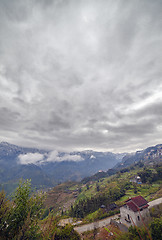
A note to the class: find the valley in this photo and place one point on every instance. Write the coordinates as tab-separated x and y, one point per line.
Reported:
90	204
49	168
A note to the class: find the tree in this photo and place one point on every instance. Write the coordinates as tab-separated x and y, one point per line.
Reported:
87	186
24	214
159	172
4	212
146	175
97	188
135	187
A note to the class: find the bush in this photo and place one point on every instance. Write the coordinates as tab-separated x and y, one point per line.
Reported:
156	227
66	232
134	233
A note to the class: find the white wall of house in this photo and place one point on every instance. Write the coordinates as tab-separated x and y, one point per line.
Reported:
134	217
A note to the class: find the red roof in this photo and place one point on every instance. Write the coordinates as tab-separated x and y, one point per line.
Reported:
132	206
136	203
139	201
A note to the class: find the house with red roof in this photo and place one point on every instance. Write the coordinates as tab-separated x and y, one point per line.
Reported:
135	212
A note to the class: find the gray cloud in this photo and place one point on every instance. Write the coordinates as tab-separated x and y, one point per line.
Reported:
53	156
30	158
81	74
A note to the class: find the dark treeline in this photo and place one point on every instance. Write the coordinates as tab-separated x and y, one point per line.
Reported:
148	175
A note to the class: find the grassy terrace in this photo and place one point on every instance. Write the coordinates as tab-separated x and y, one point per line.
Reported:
146	190
63	195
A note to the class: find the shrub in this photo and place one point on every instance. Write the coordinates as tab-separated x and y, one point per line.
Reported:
156	227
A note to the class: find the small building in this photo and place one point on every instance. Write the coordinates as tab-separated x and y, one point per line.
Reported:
112	207
135	211
109	207
103	206
136	179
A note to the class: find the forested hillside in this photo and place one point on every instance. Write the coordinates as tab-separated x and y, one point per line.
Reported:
38	215
84	198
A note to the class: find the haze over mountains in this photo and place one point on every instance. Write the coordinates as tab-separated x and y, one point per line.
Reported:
48	168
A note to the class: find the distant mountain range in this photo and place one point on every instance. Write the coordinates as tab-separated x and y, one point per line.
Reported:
148	156
48	168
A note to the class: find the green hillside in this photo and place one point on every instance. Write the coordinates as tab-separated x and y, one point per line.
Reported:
88	202
81	200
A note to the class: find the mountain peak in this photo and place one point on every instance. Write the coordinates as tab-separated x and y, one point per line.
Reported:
5	143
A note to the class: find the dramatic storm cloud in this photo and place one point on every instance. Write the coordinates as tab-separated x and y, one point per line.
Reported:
82	74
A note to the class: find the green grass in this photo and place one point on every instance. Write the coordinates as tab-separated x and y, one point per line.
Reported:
74	187
92	216
114	182
145	190
87	193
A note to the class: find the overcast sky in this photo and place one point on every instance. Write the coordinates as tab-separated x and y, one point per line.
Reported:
81	74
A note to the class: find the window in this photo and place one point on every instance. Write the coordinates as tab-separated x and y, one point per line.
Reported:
138	218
